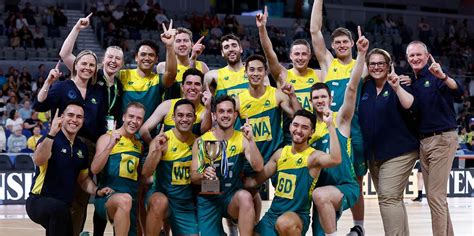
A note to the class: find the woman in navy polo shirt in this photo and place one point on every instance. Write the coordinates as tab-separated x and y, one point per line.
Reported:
390	145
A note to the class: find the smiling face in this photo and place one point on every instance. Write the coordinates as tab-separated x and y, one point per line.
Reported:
192	87
146	58
320	99
342	45
72	119
231	51
184	118
255	70
225	115
300	129
300	55
417	56
182	44
86	67
378	66
113	60
133	119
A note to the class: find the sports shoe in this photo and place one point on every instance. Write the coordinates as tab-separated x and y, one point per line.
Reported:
417	199
356	231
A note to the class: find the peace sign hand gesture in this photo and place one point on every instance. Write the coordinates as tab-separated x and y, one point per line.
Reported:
436	70
167	37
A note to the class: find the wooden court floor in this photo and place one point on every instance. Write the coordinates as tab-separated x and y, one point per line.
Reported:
15	222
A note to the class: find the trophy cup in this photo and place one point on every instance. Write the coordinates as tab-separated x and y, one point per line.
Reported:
212	150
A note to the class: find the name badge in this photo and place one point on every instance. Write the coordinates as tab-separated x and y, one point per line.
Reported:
110	122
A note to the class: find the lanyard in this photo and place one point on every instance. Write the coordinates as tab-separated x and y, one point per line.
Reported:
111	104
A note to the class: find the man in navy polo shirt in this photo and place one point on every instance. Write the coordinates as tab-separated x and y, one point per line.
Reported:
435	93
61	160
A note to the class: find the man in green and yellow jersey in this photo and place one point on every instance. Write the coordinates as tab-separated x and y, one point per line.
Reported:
234	202
337	188
142	84
183	46
231	79
336	72
116	163
297	167
192	89
169	159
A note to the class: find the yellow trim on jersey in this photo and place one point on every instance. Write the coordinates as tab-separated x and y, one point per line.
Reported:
302	85
176	148
127	145
182	68
168	120
40	179
227	78
234	144
246	100
338	71
133	82
288	160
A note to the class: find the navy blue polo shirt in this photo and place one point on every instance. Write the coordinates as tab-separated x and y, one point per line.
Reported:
435	102
388	130
58	177
63	92
112	103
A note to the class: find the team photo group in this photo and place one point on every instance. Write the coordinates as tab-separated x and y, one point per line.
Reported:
172	147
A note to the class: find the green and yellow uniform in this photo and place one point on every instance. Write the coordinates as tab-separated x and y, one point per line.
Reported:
211	208
265	117
172	178
121	174
293	192
175	90
231	82
302	85
341	176
169	122
146	90
337	78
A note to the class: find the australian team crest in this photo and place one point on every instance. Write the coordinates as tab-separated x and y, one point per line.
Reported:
71	94
79	154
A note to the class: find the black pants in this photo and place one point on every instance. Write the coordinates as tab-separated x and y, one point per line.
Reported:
54	215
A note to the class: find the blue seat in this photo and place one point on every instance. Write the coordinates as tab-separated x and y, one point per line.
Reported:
24	162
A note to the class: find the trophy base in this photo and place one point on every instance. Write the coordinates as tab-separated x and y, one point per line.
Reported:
210	187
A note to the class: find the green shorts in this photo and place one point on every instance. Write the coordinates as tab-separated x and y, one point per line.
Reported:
351	195
267	225
211	210
360	165
101	210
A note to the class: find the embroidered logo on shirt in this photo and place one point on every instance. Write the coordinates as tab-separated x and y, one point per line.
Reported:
63	150
310	81
226	78
335	69
71	94
385	94
293	81
93	101
427	84
299	161
101	83
365	96
232	149
248	106
174	149
79	154
267	103
130	82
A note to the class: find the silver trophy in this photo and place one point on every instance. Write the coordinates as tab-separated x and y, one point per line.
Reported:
212	150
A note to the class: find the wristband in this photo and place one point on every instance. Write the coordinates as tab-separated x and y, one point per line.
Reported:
50	136
445	77
97	192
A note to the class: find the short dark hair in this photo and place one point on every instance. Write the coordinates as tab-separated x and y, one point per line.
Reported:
255	57
183	102
318	86
134	104
221	99
193	71
148	43
341	31
72	102
229	37
306	114
300	42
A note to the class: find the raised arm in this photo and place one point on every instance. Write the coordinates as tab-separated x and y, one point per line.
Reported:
206	118
252	154
320	159
323	55
43	150
288	100
105	144
53	75
158	146
171	67
268	171
275	68
68	44
346	112
155	118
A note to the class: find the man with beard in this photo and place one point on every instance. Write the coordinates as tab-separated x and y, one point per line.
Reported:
169	160
116	163
142	84
336	73
183	45
300	76
192	90
297	167
337	188
235	202
231	79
